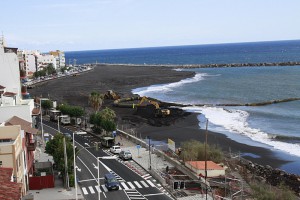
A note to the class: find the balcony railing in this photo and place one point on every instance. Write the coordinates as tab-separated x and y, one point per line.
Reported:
31	145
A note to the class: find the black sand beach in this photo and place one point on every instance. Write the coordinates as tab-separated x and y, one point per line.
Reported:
122	79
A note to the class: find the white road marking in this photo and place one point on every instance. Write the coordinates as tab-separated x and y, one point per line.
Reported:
142	182
124	186
92	190
84	191
150	183
85	180
131	185
104	188
96	167
146	195
137	184
98	188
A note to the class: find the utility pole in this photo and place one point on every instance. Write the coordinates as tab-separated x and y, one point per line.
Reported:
149	153
205	147
66	165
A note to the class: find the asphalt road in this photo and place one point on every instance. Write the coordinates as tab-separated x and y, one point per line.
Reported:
132	185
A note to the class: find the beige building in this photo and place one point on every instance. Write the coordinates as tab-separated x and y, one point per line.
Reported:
12	153
213	169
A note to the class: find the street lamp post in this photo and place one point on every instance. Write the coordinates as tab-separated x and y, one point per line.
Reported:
149	153
58	127
98	178
206	159
74	164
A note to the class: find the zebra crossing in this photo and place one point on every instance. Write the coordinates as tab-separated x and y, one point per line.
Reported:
134	194
126	186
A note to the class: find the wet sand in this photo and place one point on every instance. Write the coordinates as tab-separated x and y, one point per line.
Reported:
122	79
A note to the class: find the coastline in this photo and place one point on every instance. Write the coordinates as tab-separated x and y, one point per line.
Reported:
123	79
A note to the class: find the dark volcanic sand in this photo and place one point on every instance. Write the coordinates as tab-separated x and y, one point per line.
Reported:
123	79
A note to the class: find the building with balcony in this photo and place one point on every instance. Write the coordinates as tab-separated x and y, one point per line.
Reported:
12	154
11	100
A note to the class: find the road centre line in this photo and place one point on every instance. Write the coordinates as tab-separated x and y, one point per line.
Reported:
87	169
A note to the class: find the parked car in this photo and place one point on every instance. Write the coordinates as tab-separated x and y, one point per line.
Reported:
125	155
110	181
115	149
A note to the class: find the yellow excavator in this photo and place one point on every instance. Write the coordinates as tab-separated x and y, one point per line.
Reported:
158	111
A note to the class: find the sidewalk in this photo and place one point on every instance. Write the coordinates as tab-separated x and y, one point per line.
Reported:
158	164
58	192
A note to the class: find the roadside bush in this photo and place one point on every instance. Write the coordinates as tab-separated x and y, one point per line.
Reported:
195	150
267	192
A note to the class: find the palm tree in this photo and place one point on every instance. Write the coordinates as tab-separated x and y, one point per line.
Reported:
96	100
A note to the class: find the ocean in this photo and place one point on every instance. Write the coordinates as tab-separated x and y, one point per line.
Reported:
274	126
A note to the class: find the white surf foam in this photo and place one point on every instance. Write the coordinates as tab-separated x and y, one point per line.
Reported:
168	87
235	121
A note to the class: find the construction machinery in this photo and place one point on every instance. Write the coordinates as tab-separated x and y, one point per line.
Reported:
159	112
111	95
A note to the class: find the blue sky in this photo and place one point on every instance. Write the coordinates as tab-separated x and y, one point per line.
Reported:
111	24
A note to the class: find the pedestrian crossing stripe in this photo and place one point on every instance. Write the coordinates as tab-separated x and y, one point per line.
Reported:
123	186
104	188
143	182
84	191
137	184
91	189
131	185
150	183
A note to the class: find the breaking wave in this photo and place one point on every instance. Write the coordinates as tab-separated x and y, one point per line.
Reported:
235	121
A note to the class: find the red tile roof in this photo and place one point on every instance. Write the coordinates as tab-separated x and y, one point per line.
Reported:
1	87
25	125
201	165
9	190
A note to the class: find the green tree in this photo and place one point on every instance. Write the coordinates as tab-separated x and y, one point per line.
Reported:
108	114
96	100
55	148
46	104
103	120
50	69
108	125
73	111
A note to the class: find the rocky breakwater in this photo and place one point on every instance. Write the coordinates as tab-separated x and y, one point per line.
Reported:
272	176
239	65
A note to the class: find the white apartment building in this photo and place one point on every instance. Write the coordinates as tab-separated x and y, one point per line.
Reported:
34	60
30	60
11	103
60	58
45	59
